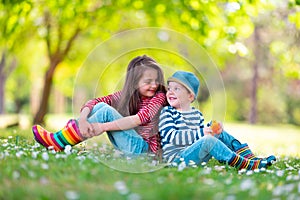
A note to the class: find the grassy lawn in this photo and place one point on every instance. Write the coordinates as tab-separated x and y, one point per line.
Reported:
28	171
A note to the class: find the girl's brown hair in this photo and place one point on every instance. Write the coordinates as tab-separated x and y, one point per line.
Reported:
130	98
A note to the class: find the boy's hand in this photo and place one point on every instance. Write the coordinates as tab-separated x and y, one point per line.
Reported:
216	127
207	131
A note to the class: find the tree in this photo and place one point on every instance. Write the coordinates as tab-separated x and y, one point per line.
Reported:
217	26
13	27
271	27
5	70
61	22
255	66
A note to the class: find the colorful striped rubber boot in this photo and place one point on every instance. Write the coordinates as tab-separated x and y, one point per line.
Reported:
246	152
69	135
240	162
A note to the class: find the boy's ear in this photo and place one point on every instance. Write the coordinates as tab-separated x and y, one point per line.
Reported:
191	97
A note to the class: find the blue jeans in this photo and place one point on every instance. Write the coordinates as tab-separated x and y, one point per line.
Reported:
231	142
221	147
127	141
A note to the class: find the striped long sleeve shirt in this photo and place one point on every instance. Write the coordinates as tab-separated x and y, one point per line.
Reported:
179	130
148	113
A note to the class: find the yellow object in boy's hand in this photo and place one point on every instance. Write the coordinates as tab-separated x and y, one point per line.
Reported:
216	127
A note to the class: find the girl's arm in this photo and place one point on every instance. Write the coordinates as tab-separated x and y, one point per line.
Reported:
119	124
90	130
145	115
106	99
152	108
85	128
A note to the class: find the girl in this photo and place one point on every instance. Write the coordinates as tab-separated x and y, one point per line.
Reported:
129	116
184	137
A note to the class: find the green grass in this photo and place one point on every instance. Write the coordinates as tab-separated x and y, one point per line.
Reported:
28	171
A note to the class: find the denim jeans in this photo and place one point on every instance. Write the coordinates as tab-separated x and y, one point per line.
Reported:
221	147
231	142
127	141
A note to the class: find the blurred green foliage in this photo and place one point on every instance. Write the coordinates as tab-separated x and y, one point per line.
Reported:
224	29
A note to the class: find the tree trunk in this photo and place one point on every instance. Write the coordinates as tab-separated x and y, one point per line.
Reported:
43	108
254	81
2	81
55	58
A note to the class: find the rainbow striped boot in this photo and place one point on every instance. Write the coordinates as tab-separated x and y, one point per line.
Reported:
69	135
240	162
246	152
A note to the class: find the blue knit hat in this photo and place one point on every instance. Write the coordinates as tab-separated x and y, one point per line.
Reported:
188	80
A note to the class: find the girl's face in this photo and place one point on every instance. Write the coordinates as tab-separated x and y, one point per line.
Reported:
179	97
148	83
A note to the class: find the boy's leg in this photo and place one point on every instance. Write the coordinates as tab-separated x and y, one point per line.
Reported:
203	149
209	145
127	141
231	142
241	149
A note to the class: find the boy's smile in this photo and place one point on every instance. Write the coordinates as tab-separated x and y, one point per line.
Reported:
179	97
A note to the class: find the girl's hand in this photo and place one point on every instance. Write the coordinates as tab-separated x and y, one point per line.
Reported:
85	128
98	128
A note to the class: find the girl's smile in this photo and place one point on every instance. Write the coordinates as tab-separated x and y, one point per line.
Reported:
148	83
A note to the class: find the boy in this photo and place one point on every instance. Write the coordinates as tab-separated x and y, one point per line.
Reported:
184	137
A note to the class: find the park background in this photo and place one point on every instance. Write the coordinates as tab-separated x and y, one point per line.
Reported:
254	44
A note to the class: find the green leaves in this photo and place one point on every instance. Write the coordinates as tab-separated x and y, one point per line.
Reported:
295	18
13	21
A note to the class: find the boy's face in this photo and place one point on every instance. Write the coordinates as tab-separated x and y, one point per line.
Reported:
179	97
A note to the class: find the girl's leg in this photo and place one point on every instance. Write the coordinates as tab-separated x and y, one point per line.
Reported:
127	141
211	146
68	135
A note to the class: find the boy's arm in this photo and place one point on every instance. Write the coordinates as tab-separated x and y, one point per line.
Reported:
170	133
